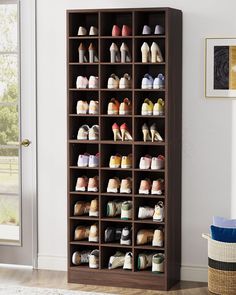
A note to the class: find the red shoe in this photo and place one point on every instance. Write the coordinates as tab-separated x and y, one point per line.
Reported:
116	132
126	31
125	134
115	31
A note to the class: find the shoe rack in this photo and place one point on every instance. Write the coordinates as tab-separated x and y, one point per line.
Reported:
169	125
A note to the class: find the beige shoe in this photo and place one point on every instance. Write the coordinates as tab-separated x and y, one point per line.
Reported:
145	187
145	236
125	107
83	132
113	82
115	161
125	82
81	184
144	261
145	50
93	184
93	107
158	238
94	133
81	233
159	212
156	55
113	185
126	162
126	186
93	210
93	233
80	257
157	187
159	107
81	208
82	107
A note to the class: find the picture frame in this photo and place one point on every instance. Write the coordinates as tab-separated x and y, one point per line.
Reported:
220	68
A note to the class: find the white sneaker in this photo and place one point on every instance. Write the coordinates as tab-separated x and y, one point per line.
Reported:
125	82
93	233
83	160
82	31
83	132
145	212
147	82
158	238
159	82
93	132
126	210
145	162
93	82
94	259
93	161
158	163
93	107
81	82
159	212
128	260
158	261
113	82
82	107
93	31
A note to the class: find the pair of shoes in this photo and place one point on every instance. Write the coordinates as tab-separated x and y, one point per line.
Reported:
119	208
151	54
120	259
156	187
83	208
82	31
152	134
87	133
123	187
87	160
86	257
157	110
83	108
157	213
150	236
122	235
83	232
121	132
156	261
119	161
83	82
83	184
92	53
159	30
124	82
155	163
116	108
123	55
125	31
149	83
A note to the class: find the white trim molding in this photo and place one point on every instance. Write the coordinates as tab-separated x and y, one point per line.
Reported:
195	273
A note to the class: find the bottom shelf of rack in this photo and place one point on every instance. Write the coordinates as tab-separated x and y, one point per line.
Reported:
117	278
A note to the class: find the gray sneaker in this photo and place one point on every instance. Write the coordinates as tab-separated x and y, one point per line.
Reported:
116	260
159	30
80	257
146	30
125	236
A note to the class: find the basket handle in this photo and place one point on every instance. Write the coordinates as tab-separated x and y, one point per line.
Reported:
206	236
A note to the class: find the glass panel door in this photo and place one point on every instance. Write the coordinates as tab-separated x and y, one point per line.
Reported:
10	155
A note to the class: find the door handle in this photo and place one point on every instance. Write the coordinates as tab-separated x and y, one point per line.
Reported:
25	142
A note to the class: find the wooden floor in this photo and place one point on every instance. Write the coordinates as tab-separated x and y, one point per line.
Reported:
58	279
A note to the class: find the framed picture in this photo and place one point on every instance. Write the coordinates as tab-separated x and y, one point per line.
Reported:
220	67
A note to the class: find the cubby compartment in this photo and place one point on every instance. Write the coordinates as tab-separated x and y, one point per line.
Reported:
106	97
148	18
105	49
75	96
143	202
81	250
75	173
108	174
113	236
119	18
83	19
118	70
140	96
104	207
145	256
152	69
146	241
151	175
143	150
85	71
76	122
79	149
74	223
74	50
138	54
106	128
138	133
82	198
112	150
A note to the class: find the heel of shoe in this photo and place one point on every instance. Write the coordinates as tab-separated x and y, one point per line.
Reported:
153	56
123	131
123	56
116	134
144	56
113	56
91	56
153	133
145	135
81	56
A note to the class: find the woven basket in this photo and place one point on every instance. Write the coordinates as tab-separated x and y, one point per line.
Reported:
221	267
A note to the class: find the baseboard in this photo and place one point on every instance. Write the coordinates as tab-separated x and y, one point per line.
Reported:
52	262
194	273
188	272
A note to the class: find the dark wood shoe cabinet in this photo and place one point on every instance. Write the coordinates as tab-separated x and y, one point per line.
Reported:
169	125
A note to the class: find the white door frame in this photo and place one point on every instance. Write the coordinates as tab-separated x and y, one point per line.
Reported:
27	41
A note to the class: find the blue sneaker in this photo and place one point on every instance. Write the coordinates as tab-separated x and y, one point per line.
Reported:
159	82
147	82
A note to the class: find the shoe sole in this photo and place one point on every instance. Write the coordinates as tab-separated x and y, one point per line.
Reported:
95	240
93	214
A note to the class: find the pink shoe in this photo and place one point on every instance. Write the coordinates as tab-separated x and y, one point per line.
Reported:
93	82
115	31
157	187
81	82
93	184
158	162
145	162
126	30
81	184
145	187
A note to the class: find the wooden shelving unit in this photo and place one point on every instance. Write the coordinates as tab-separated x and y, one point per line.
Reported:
169	126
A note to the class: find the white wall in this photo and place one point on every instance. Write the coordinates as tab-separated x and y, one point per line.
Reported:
209	167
